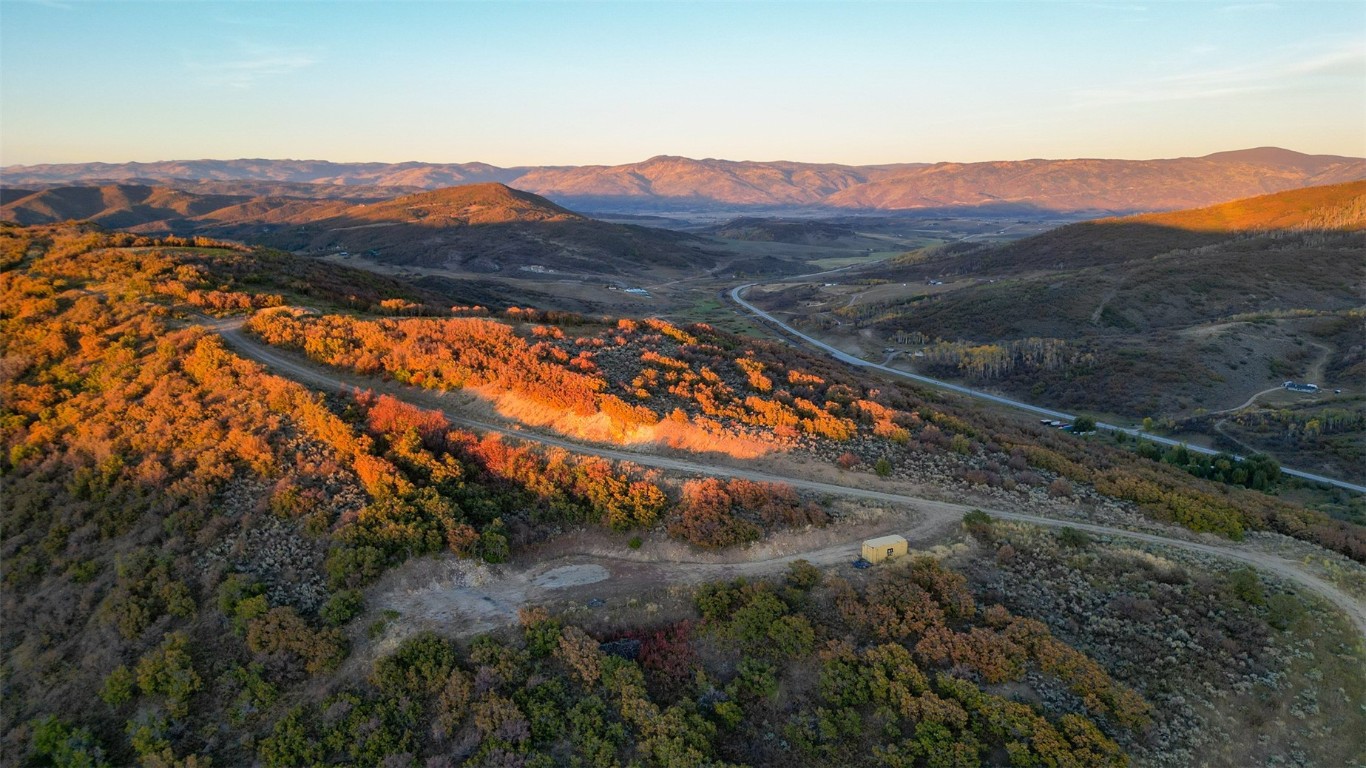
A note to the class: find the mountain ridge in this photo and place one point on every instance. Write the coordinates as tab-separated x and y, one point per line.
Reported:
675	182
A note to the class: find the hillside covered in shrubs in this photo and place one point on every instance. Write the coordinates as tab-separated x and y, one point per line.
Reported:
188	539
697	388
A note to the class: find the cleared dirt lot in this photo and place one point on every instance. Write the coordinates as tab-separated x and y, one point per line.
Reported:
464	597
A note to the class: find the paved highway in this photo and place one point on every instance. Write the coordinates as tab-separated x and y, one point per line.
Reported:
737	295
936	513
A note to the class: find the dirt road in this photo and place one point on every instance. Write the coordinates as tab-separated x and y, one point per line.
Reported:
1315	373
487	596
737	295
1248	402
466	598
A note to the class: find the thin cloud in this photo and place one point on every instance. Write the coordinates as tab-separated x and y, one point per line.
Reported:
1348	61
1229	81
253	64
1208	85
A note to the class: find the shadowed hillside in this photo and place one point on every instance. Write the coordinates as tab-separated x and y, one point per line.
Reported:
797	231
1337	207
1142	316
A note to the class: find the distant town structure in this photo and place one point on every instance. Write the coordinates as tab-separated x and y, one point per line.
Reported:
1296	387
884	548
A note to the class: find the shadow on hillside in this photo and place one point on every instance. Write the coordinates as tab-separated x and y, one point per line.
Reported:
529	247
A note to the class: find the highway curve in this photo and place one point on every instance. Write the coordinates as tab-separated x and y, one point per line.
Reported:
935	513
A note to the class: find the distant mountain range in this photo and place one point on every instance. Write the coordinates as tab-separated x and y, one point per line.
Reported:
476	227
679	183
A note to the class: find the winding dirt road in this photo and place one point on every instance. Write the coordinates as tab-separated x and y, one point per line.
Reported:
737	295
513	586
1315	374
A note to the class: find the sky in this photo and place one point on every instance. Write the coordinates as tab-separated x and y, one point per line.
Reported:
570	83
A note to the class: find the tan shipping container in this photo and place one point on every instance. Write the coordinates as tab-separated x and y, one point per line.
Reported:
884	548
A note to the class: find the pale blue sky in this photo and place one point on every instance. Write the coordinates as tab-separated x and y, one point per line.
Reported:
515	83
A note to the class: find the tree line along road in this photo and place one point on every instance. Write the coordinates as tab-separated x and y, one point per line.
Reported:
936	513
737	295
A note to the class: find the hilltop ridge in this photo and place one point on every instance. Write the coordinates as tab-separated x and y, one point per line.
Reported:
485	203
1334	206
487	227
